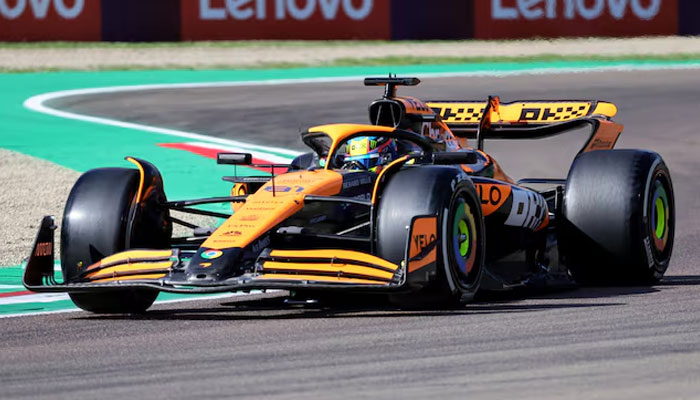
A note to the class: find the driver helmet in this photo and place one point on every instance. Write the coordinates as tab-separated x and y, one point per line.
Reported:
370	152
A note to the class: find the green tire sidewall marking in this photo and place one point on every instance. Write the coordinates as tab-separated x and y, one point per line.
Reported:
463	224
660	218
459	228
464	230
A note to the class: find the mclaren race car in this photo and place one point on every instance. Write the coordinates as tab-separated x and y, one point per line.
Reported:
401	208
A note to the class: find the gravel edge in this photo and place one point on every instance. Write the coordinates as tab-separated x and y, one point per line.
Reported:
207	55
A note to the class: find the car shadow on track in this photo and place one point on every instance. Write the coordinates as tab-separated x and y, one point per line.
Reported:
280	309
680	280
595	292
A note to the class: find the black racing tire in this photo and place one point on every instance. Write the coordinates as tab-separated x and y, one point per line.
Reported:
619	218
449	194
94	226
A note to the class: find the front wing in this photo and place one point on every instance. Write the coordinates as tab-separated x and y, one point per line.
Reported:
164	270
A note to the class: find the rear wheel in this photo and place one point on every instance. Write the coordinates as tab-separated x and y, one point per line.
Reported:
619	217
448	194
94	226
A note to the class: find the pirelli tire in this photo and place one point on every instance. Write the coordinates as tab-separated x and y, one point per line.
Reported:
94	226
448	193
619	218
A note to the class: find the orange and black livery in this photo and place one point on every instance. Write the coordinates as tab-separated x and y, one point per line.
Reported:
408	206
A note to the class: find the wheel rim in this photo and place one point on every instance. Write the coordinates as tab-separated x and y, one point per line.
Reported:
463	242
661	219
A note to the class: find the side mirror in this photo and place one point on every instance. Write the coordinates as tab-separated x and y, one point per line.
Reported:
234	158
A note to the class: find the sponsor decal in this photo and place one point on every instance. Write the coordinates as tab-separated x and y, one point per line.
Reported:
422	240
264	209
205	265
422	250
601	144
551	18
414	105
528	210
211	254
354	180
283	9
492	196
285	19
232	233
547	114
39	9
248	217
284	189
465	114
43	249
363	196
649	252
50	20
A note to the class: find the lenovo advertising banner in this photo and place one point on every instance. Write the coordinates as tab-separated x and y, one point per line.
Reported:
510	19
285	19
50	20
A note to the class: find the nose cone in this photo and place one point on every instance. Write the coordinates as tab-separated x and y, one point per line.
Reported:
213	265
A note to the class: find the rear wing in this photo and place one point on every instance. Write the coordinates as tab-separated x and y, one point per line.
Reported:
530	119
462	115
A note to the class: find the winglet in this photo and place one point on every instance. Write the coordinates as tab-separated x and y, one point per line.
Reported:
40	264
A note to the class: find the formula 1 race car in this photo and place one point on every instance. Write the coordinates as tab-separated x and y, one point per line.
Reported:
400	208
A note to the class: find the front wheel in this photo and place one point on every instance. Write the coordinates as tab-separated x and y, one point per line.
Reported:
94	226
449	195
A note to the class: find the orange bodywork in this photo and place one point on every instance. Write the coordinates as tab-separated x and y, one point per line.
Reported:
141	177
392	166
131	256
423	236
131	278
337	269
133	264
120	269
239	189
327	265
332	254
317	278
492	196
268	207
605	137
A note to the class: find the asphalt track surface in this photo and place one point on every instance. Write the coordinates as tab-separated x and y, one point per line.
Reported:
615	342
